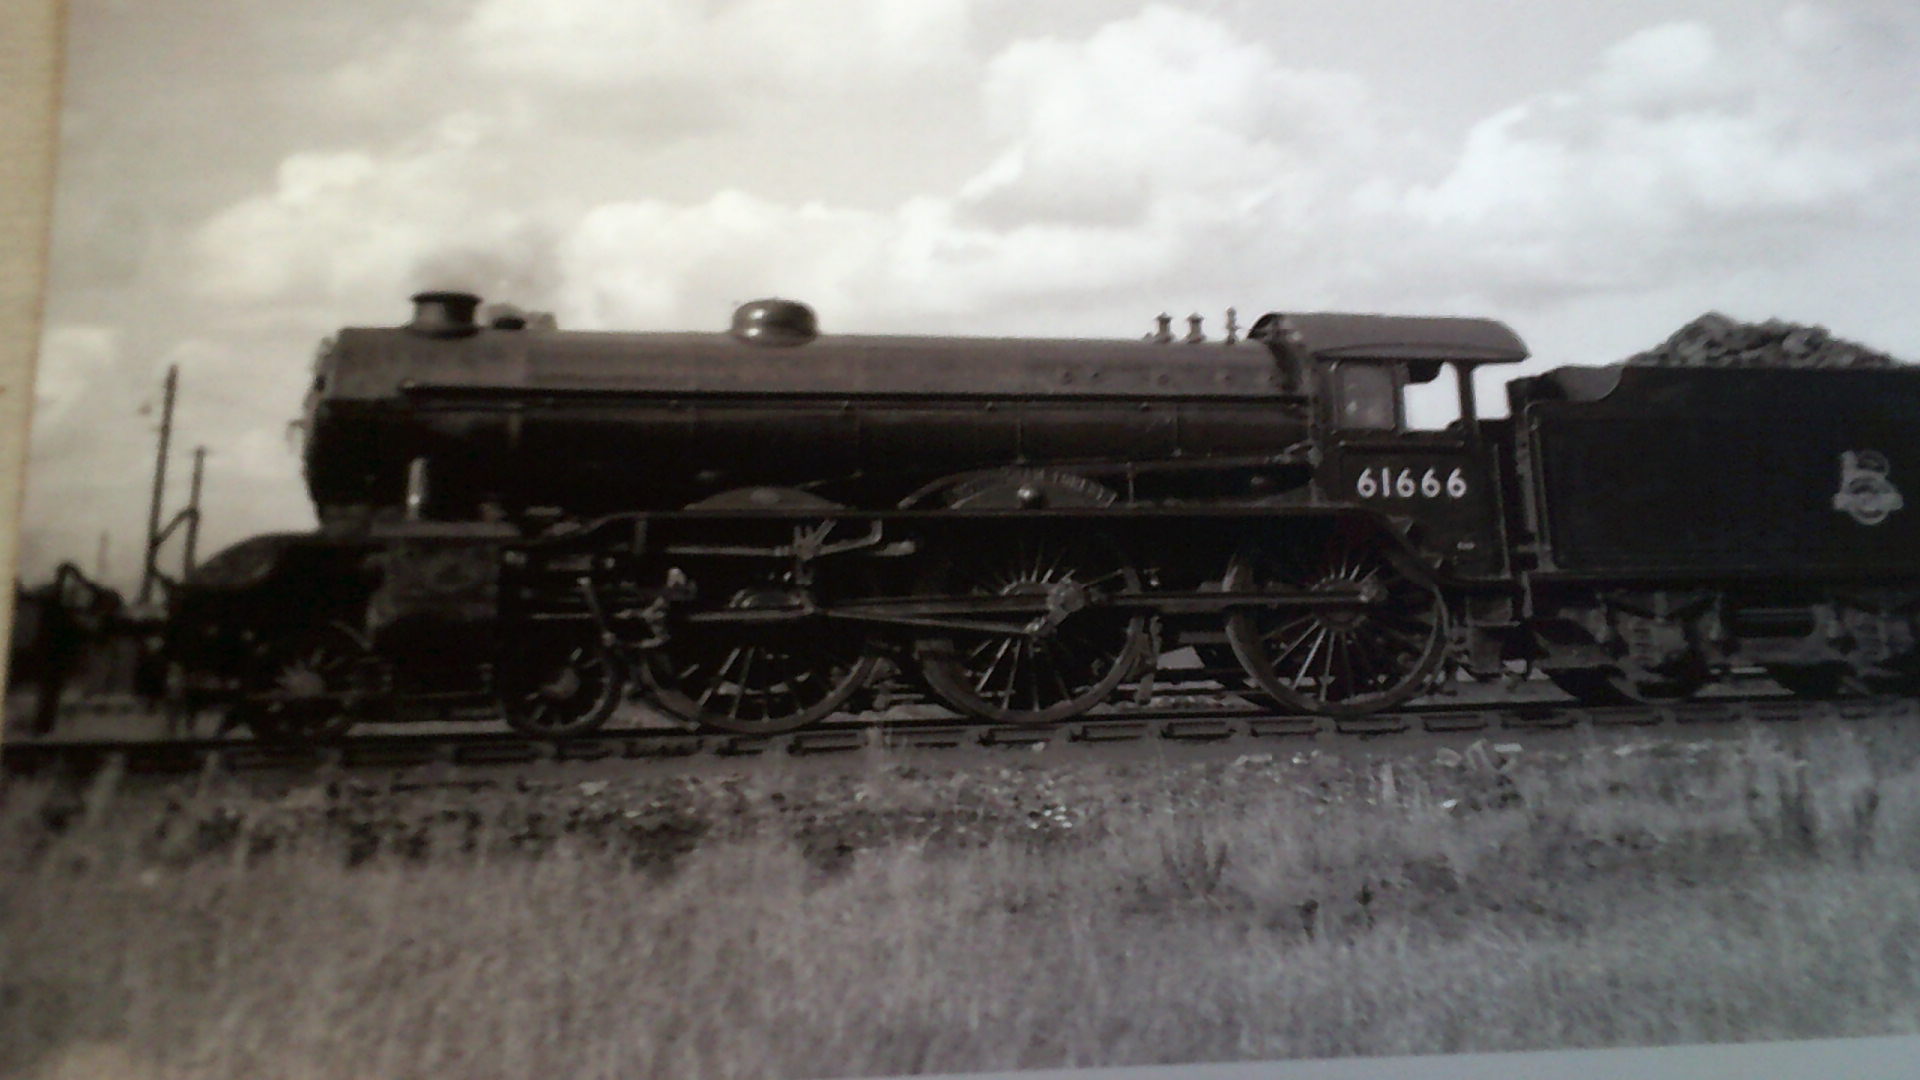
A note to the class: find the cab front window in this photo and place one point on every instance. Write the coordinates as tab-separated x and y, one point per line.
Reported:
1366	397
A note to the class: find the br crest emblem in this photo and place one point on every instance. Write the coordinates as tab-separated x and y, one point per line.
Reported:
1866	495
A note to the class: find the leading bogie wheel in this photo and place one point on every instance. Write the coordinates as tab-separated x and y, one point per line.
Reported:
312	685
1337	660
557	682
1067	656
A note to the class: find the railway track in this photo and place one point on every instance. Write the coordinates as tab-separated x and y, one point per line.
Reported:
1143	726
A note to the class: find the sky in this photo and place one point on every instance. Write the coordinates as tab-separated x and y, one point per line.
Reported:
239	178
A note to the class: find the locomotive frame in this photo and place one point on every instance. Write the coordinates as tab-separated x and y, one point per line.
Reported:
1078	511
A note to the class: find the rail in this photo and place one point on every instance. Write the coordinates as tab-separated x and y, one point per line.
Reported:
1177	725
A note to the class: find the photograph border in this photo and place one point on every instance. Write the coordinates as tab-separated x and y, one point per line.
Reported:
29	71
31	35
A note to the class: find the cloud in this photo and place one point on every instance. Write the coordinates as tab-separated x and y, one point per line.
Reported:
1164	105
358	225
1146	157
92	391
1669	68
93	404
747	47
73	358
650	262
1160	153
1151	158
655	264
1680	153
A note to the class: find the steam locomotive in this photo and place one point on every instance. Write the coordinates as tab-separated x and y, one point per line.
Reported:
755	529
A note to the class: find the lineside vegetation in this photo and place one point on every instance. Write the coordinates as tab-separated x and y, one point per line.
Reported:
954	913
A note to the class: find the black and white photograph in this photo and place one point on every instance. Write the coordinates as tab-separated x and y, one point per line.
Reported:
874	538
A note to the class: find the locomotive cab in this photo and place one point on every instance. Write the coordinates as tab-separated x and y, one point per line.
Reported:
1438	488
1358	366
1366	395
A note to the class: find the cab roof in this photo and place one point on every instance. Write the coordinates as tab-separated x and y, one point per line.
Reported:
1386	338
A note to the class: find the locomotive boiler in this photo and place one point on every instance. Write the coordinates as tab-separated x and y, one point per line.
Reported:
758	528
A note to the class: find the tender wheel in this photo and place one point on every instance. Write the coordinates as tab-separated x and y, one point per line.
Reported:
558	683
309	687
1886	631
1049	667
1337	661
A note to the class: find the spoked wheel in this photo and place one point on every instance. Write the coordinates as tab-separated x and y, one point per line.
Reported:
1888	629
559	682
758	680
1337	661
1037	668
310	687
762	686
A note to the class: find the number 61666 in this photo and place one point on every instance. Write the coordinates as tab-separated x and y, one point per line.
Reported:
1387	482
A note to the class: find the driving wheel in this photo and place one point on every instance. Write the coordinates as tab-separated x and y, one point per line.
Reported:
1342	660
1065	653
758	678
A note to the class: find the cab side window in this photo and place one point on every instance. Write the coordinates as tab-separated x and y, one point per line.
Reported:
1365	397
1434	405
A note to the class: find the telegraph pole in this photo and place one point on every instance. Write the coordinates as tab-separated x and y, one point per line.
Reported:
148	570
193	510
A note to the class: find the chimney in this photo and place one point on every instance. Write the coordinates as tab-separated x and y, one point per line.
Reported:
444	314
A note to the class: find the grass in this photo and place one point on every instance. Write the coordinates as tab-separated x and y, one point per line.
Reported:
969	914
